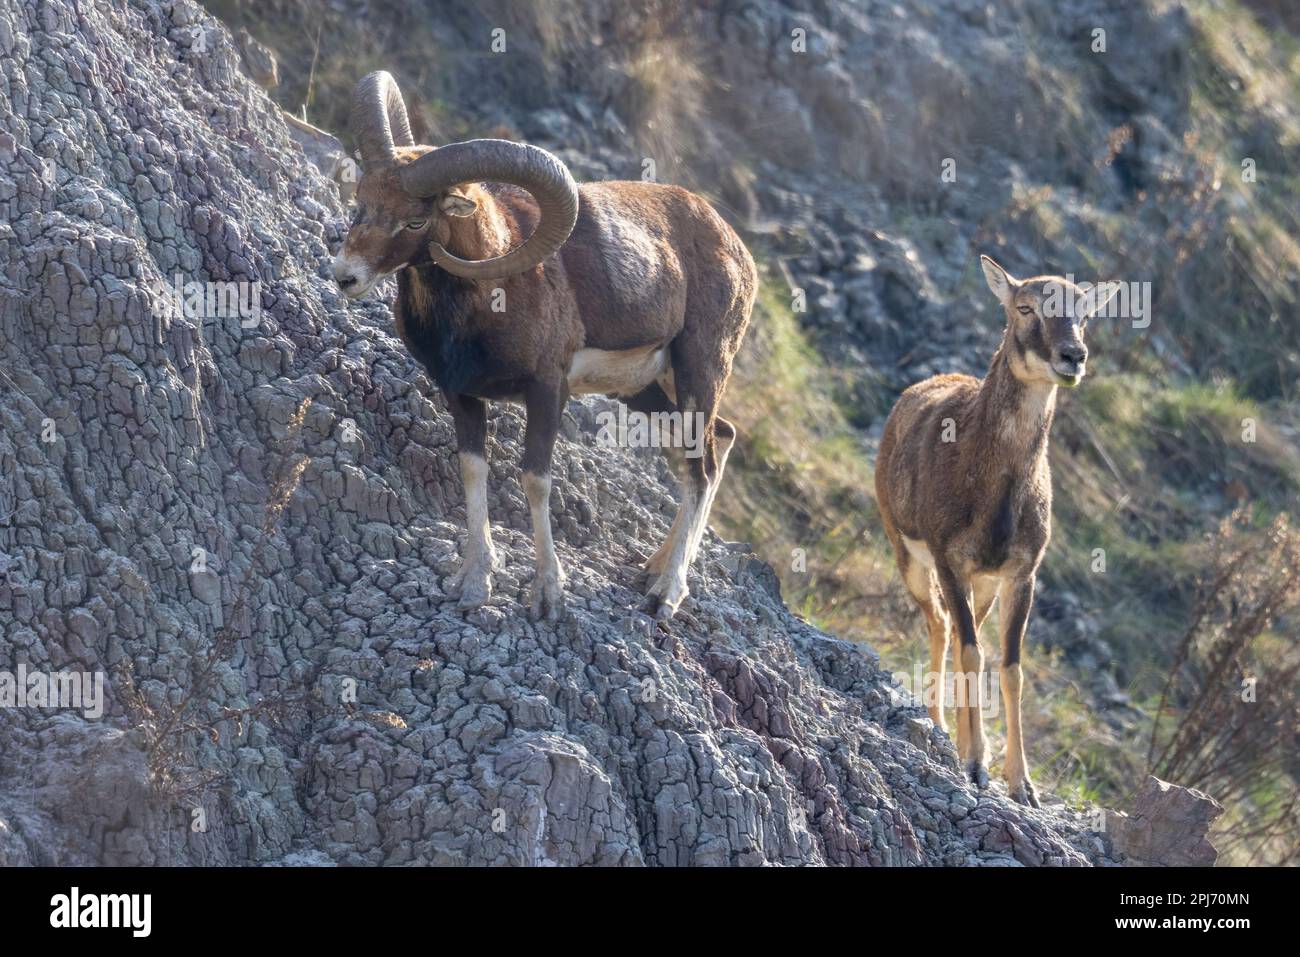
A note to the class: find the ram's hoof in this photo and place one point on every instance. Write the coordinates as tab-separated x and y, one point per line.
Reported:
656	607
547	601
979	775
472	587
664	598
650	571
471	598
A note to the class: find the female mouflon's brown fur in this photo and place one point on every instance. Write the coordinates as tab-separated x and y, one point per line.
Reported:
965	492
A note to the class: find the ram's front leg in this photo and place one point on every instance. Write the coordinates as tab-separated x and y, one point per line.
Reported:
544	403
474	580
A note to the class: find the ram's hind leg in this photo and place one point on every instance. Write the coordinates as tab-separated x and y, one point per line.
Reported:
704	446
724	437
650	401
654	400
701	476
717	311
668	590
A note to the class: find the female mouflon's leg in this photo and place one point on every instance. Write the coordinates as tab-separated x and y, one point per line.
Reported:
968	678
1015	614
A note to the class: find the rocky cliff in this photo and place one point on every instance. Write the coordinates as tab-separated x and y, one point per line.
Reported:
243	510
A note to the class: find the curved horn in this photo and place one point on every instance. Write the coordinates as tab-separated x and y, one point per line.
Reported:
379	118
500	161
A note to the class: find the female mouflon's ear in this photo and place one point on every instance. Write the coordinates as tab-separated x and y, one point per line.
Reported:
1001	282
1096	299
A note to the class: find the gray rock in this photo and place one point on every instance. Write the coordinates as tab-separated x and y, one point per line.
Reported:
1167	825
260	62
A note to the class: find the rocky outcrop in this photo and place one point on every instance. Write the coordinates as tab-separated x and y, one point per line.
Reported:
234	494
1166	825
259	61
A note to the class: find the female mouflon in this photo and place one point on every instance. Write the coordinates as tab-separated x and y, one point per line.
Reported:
516	283
965	492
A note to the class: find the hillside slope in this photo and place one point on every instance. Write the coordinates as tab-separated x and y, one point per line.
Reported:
869	151
246	517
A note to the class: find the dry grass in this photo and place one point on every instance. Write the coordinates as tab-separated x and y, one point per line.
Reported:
1226	719
172	729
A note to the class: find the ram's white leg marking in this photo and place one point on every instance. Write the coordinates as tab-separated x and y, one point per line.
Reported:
724	445
475	576
548	584
670	587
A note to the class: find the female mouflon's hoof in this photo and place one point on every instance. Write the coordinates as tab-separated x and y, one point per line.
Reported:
1025	794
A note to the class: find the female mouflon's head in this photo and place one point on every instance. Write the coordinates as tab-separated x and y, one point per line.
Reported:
1046	320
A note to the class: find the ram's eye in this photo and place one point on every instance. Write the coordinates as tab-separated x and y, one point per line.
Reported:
417	224
1024	310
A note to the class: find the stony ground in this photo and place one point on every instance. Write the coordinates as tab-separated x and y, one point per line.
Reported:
293	685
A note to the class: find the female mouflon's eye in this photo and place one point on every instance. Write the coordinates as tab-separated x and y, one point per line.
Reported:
416	224
1024	310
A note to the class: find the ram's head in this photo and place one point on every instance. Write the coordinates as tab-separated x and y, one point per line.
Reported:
408	195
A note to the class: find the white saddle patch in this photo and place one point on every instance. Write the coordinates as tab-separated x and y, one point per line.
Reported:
618	372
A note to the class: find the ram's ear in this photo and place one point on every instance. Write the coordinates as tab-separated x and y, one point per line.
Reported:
458	203
1001	282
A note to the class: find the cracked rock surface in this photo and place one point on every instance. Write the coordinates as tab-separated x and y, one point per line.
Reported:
305	691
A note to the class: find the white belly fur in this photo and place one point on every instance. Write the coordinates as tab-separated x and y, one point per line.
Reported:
621	372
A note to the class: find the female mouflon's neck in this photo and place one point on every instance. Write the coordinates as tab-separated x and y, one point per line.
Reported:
1013	415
